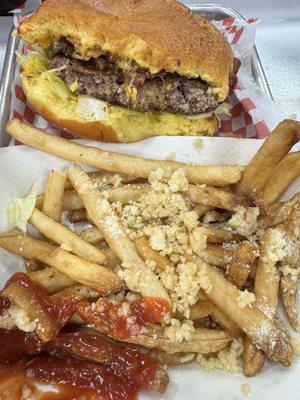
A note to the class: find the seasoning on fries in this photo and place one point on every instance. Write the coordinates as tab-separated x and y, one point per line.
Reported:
177	265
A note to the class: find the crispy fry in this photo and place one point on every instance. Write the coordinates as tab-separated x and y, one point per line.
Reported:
78	216
278	213
200	310
100	278
82	344
217	255
172	359
239	269
32	265
92	235
266	292
250	319
217	198
63	236
218	235
282	176
289	290
146	252
76	293
52	280
114	233
125	194
54	192
26	246
203	341
103	178
275	148
95	157
24	299
201	209
253	359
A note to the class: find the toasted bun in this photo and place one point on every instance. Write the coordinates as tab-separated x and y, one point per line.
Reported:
157	34
121	126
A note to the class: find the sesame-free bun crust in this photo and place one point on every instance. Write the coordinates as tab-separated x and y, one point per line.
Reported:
157	34
122	125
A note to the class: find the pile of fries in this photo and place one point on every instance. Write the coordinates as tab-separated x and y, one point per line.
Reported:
242	248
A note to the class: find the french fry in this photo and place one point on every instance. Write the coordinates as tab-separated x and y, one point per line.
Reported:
78	216
203	340
63	236
52	280
32	265
54	192
114	233
76	293
92	235
239	269
205	308
103	178
173	359
274	149
125	194
26	246
98	277
250	319
200	310
289	290
266	292
217	198
95	157
278	213
217	255
253	359
101	350
218	235
24	299
282	176
146	252
201	209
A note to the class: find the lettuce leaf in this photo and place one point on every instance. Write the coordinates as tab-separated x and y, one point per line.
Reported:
20	210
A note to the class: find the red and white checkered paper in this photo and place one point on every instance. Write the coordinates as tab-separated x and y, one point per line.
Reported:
253	114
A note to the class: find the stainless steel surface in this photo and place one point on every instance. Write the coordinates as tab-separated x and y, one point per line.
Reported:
5	85
210	11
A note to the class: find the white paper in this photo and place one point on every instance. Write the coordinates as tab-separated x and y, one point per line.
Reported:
20	166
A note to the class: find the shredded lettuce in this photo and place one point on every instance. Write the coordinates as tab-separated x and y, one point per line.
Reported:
20	210
33	64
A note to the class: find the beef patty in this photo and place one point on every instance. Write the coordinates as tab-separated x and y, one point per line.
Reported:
132	86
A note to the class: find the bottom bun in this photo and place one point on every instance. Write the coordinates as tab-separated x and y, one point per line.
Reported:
121	125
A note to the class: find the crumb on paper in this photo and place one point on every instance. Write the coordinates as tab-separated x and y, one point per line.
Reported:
246	389
198	144
170	156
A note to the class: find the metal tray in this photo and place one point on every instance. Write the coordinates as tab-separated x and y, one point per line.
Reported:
209	11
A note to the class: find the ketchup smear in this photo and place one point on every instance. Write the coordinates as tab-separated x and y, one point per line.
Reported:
124	362
73	362
111	317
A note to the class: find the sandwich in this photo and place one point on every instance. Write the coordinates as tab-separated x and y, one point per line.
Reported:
126	70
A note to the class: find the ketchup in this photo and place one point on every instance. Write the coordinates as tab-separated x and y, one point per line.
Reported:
15	344
81	374
124	362
4	304
123	325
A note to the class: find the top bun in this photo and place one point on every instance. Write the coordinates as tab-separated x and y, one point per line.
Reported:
157	34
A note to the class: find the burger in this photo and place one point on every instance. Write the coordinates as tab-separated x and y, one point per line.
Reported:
125	70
